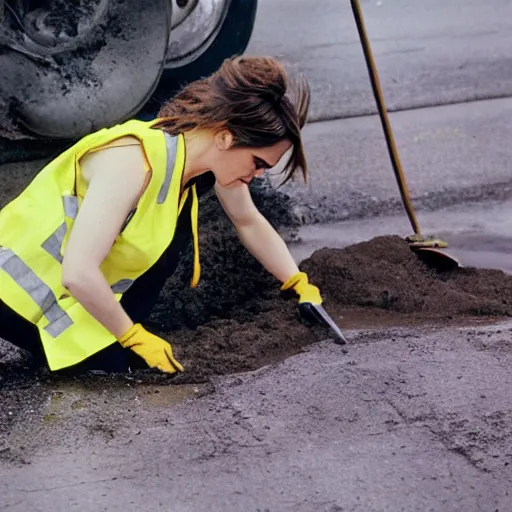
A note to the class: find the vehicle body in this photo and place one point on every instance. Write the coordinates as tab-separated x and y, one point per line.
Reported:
69	67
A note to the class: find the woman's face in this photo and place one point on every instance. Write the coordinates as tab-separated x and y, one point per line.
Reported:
234	166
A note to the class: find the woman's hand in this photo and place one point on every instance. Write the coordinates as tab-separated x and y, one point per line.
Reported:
154	350
306	291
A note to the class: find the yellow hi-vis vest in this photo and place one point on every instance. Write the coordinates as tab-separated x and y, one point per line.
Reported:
35	226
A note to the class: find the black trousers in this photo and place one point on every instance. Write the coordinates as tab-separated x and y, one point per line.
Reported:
138	302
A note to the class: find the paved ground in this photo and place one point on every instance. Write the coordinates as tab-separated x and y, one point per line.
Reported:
450	155
427	53
407	419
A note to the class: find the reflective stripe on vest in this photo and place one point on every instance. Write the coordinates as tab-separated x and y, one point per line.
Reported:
53	244
171	143
122	286
70	204
38	291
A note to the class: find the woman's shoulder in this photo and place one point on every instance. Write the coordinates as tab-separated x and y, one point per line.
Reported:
124	151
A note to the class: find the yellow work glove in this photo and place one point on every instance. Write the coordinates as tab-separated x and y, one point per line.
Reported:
306	291
154	350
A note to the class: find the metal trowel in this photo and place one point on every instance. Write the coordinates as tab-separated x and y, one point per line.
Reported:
315	313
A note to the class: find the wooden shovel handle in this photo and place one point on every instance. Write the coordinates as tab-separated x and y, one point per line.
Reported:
379	98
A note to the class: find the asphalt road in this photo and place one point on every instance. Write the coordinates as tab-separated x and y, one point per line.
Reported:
403	422
427	52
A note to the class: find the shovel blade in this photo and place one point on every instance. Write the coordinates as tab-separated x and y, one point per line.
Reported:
437	259
317	314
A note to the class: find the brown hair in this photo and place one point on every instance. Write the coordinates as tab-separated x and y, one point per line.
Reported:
248	96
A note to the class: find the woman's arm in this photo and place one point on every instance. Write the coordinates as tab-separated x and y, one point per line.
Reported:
256	233
116	177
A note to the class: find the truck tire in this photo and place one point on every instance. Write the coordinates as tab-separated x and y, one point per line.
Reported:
232	39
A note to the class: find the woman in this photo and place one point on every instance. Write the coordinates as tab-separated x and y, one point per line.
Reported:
87	247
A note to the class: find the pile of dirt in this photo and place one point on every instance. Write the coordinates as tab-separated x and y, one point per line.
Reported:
379	279
384	273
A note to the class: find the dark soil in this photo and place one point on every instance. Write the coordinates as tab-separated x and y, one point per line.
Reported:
384	273
375	283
